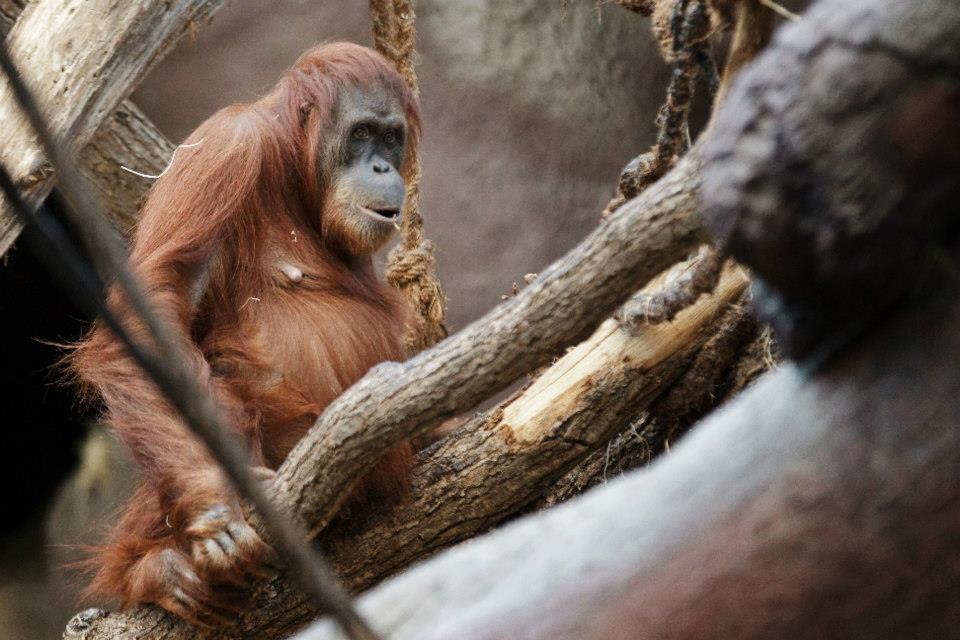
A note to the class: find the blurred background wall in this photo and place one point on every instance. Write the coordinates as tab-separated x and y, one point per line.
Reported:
530	110
531	107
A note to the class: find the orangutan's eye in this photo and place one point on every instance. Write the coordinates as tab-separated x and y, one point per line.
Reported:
390	137
361	132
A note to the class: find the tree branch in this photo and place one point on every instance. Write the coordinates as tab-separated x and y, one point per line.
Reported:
126	139
78	87
500	462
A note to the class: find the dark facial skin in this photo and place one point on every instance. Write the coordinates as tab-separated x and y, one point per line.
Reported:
368	189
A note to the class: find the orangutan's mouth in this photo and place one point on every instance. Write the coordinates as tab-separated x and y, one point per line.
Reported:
384	214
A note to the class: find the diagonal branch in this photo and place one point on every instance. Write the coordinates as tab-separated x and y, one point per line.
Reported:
501	461
394	401
78	87
126	139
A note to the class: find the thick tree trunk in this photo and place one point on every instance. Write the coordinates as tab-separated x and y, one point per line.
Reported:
834	163
82	58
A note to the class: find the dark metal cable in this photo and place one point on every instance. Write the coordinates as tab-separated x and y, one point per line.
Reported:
65	262
708	67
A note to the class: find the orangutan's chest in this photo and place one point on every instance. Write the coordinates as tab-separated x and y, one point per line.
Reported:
323	343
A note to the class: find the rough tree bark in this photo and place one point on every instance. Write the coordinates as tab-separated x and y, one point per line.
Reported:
501	461
82	58
859	110
397	401
810	507
823	502
126	139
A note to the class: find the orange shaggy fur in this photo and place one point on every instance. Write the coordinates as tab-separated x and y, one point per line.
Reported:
272	353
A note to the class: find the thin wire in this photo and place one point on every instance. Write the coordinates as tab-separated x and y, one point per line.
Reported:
173	157
780	9
165	368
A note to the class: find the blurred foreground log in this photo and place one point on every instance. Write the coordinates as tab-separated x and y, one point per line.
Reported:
834	163
823	502
809	507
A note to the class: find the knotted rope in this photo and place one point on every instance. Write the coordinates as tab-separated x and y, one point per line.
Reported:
682	28
411	264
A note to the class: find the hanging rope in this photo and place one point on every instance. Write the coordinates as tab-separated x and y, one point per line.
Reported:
682	27
411	265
